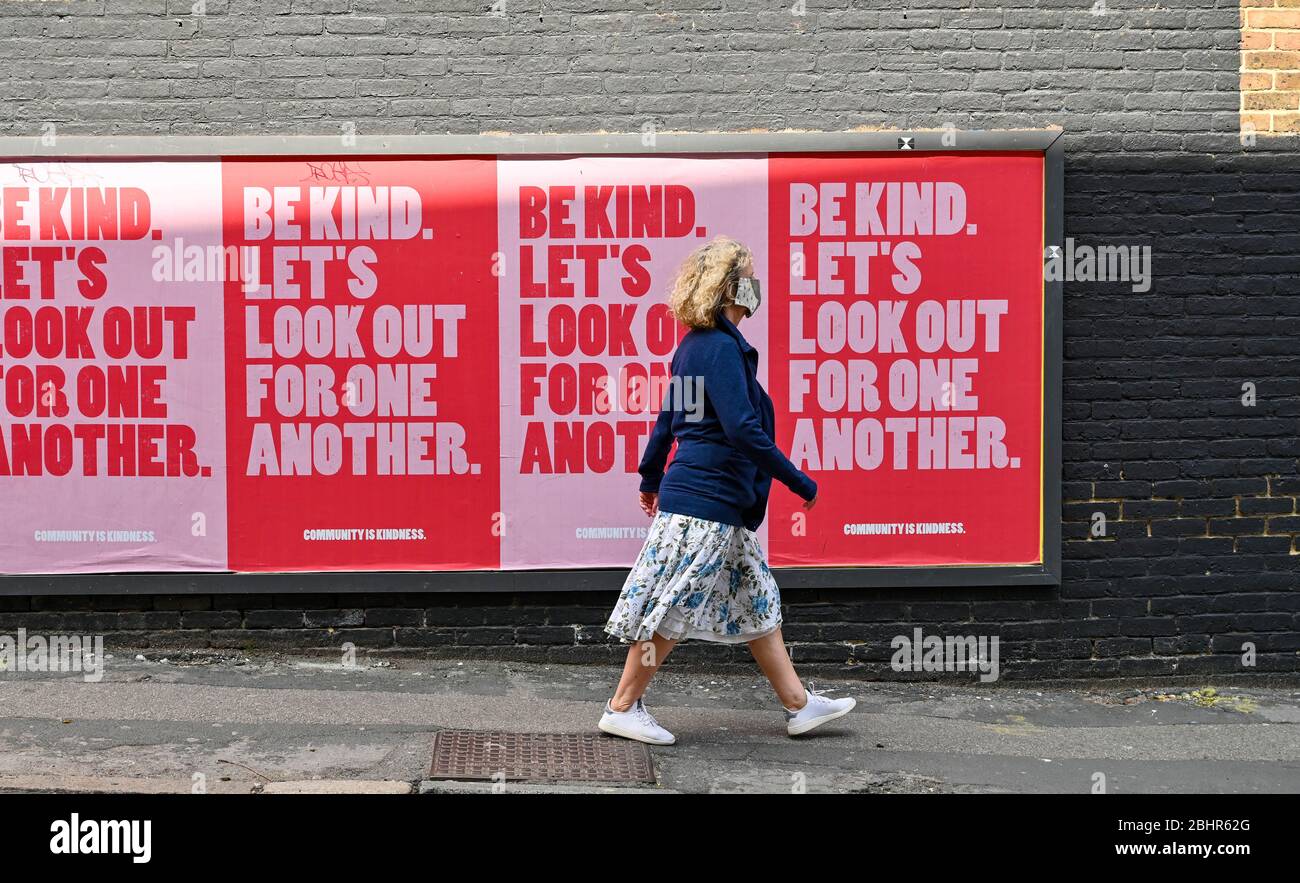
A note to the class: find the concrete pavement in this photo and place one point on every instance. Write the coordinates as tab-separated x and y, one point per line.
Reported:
236	723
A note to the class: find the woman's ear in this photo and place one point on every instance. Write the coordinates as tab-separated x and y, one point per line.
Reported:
729	284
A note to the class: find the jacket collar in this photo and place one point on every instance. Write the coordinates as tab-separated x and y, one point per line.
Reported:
726	325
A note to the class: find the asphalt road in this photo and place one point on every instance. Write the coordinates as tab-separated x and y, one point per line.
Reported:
237	723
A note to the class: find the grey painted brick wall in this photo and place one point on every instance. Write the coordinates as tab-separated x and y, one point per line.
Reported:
1200	490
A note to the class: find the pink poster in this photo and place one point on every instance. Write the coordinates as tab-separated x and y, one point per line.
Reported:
113	453
589	247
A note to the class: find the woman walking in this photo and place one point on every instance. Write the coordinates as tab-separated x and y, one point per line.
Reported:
702	573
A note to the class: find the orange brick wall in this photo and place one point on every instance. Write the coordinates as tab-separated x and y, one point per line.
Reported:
1270	66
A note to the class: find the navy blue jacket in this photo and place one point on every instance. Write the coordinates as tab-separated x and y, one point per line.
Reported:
726	459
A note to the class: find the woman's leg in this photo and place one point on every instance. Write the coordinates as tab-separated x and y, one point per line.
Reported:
770	654
643	660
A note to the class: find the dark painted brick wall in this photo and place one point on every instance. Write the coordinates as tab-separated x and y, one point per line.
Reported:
1199	490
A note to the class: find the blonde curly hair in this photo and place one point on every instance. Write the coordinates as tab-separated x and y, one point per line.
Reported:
706	281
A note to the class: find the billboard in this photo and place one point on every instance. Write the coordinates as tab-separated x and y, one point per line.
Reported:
445	363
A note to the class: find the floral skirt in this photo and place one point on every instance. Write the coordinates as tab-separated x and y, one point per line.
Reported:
697	579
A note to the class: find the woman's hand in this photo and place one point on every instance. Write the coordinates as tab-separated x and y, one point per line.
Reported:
649	503
808	504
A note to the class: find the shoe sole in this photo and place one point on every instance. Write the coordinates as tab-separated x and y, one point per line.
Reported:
800	729
615	731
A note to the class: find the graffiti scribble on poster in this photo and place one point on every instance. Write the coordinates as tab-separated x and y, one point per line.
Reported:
337	172
56	174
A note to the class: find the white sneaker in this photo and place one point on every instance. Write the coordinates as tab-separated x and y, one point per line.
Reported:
635	723
819	709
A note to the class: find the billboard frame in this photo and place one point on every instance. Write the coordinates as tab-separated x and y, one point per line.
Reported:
1046	141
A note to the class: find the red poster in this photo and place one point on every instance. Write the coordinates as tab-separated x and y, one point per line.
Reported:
906	356
361	366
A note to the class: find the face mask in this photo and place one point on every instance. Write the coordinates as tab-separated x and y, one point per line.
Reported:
748	294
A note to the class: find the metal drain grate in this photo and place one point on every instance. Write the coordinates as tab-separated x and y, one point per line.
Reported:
539	757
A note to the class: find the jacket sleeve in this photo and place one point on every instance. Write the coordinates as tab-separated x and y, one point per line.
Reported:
656	451
726	385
